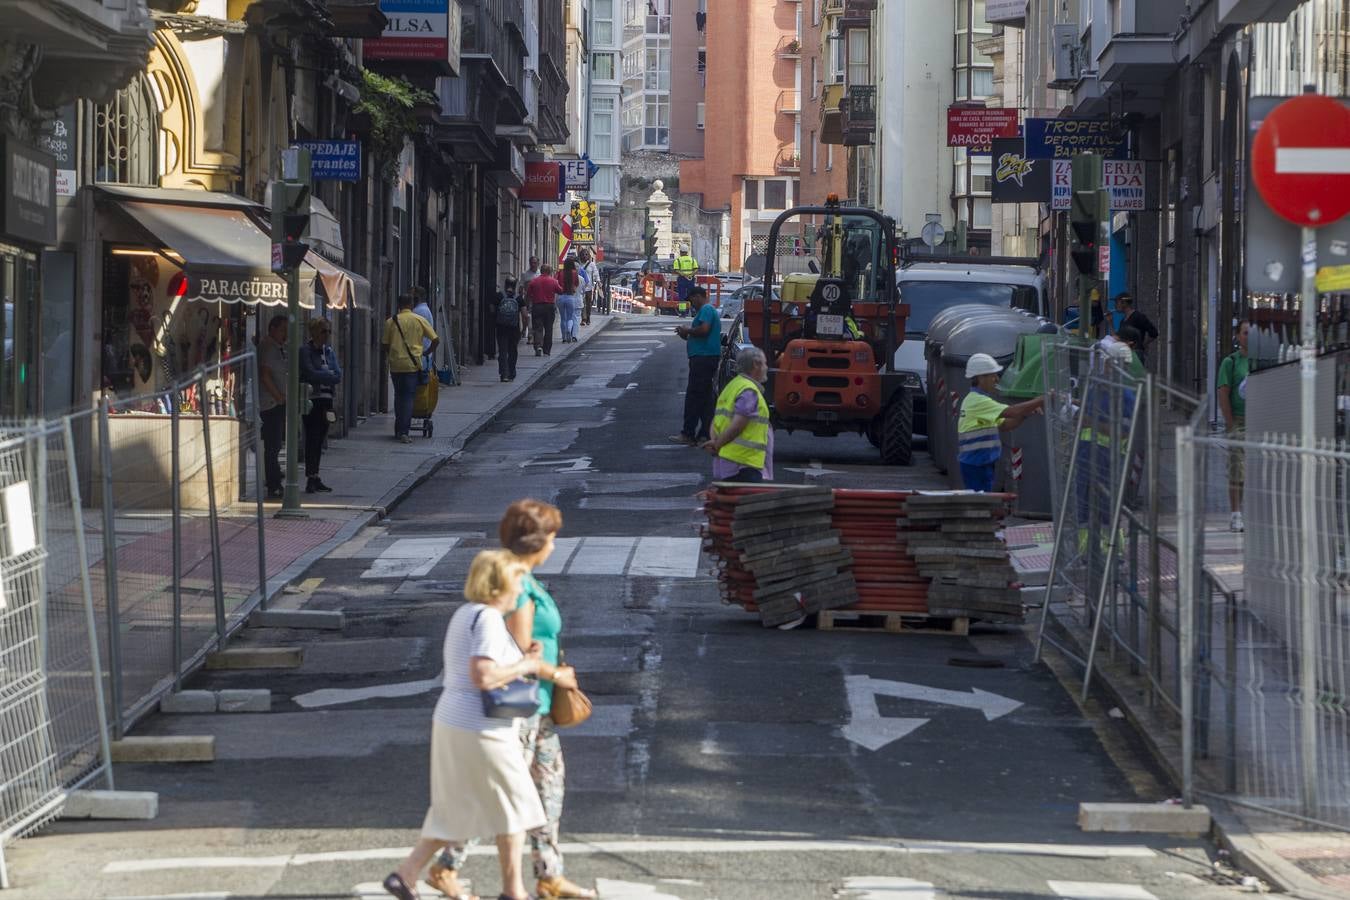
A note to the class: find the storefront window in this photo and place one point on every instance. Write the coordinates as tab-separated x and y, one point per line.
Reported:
58	332
18	377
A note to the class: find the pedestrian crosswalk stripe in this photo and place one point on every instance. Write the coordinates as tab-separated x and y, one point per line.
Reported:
882	888
1099	890
656	557
410	557
627	890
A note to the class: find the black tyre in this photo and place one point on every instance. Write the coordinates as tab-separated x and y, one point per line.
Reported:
874	431
897	430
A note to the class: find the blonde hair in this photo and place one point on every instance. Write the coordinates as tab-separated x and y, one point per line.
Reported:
491	574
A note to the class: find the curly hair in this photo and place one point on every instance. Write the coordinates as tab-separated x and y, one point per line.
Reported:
527	524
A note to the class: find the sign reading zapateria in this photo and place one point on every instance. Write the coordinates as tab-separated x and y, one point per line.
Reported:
266	289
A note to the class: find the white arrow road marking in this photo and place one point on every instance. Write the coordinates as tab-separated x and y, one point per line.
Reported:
1099	890
627	890
1312	160
339	696
570	464
868	728
874	888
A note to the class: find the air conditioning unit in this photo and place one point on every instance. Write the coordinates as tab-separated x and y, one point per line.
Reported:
1067	57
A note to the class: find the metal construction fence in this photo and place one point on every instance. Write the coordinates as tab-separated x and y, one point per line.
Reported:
145	550
1240	642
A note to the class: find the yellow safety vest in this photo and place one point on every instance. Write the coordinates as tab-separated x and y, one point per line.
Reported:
750	447
685	265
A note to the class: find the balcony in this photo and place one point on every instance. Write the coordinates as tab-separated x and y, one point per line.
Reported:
789	103
860	115
789	161
857	14
88	49
788	47
1246	12
832	114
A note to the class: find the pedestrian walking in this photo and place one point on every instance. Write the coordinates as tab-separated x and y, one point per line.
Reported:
423	309
1148	332
528	530
1233	372
703	344
591	272
523	285
542	292
320	370
480	783
272	375
982	418
686	269
742	436
508	314
407	367
569	300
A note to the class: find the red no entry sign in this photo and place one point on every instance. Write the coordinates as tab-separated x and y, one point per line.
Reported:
1301	160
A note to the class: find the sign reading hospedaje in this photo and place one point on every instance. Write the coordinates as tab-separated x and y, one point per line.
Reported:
333	160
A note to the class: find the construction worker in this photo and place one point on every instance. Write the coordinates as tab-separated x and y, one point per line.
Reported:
982	418
1102	444
686	267
742	438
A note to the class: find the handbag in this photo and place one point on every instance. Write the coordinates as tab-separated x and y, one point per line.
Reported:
423	371
518	699
570	707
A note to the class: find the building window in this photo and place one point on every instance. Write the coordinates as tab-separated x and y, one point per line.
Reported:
859	62
829	157
602	128
656	131
815	78
982	83
815	147
602	66
775	194
126	137
815	11
751	194
602	20
836	53
698	114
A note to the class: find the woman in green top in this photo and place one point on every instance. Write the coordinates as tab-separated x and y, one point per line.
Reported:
528	529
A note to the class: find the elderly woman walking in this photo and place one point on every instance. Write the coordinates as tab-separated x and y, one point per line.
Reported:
480	783
528	530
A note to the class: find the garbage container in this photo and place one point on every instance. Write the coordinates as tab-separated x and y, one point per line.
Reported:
938	390
997	335
1023	380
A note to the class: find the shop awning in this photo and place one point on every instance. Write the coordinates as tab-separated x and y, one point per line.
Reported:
342	289
226	257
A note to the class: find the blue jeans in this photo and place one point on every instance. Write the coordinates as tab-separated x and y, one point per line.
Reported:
978	478
567	313
405	391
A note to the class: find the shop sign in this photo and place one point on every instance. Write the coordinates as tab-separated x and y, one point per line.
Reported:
975	127
229	288
1064	137
29	193
543	182
333	160
999	11
418	31
1016	178
60	143
1125	179
577	174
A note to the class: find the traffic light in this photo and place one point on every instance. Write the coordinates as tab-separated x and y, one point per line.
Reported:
1084	228
290	220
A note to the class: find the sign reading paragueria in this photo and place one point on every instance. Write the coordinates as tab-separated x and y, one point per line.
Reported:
418	31
29	193
1016	178
1062	138
333	160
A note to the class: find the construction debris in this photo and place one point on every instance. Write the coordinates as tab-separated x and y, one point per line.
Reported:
956	541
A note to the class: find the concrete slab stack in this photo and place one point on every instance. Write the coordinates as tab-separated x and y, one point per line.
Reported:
957	543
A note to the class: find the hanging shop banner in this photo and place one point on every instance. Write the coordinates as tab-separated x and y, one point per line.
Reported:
333	160
543	182
29	193
1065	137
577	174
1000	11
60	143
1016	178
419	31
975	127
1125	179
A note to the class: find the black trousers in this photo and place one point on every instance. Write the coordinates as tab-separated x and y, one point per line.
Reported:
586	309
699	397
316	429
747	475
541	323
273	434
508	350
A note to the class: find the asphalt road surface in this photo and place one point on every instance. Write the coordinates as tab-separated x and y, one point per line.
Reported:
717	763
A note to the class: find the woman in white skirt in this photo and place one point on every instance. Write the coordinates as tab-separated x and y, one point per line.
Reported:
480	783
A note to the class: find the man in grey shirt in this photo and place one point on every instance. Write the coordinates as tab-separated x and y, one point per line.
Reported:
272	373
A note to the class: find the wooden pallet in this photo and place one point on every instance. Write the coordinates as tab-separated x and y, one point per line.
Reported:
891	622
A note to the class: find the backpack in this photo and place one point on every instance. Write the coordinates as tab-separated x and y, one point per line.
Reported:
508	310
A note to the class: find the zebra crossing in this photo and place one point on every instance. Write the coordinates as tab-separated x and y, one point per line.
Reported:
656	557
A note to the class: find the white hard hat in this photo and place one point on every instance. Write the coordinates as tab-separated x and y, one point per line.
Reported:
982	364
1120	352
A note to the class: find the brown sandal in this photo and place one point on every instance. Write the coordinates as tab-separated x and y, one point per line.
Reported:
446	880
559	888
